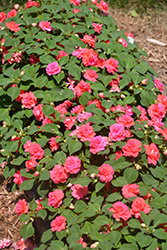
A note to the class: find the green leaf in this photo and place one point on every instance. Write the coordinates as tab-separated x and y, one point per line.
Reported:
46	236
12	146
101	220
13	92
134	223
105	245
33	205
27	184
99	186
58	245
115	237
74	146
72	239
119	182
160	234
46	59
84	99
153	245
24	217
48	110
129	247
114	197
63	60
145	218
130	175
15	42
144	240
42	213
59	77
27	230
74	70
18	161
51	128
80	206
157	203
44	175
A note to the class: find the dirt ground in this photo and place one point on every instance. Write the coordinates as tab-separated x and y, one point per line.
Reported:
142	28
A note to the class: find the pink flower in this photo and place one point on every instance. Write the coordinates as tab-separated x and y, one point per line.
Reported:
156	110
97	27
33	59
36	151
18	179
27	146
53	144
46	120
82	242
61	54
118	154
53	69
81	87
72	164
120	210
75	11
79	53
123	42
163	100
138	205
58	174
153	153
89	57
105	172
55	198
111	65
132	148
126	120
88	40
159	85
30	4
117	132
77	109
2	17
28	100
97	144
103	6
45	26
38	113
58	224
31	164
130	190
13	26
85	132
4	243
91	75
11	13
69	121
24	244
84	116
21	207
79	191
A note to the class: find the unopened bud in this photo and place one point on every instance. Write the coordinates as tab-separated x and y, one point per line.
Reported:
69	185
71	206
122	96
137	166
92	175
131	88
143	225
36	173
34	24
165	152
94	245
13	137
16	6
22	72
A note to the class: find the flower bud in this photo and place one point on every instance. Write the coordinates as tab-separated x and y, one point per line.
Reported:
71	206
138	167
34	24
36	173
165	152
22	72
92	175
94	245
122	96
16	6
69	185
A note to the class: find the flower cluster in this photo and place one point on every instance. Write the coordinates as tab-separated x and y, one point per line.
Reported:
83	128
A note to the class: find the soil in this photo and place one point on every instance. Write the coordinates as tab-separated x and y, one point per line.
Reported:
142	28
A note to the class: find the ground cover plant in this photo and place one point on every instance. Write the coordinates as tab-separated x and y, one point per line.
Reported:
83	128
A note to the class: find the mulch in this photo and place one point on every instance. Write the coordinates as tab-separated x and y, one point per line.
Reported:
142	28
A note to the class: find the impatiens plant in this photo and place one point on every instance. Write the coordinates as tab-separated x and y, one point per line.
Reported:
83	129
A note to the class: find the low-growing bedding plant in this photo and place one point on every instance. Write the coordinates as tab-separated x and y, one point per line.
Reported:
83	126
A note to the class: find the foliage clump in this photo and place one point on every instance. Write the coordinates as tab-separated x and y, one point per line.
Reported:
83	127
